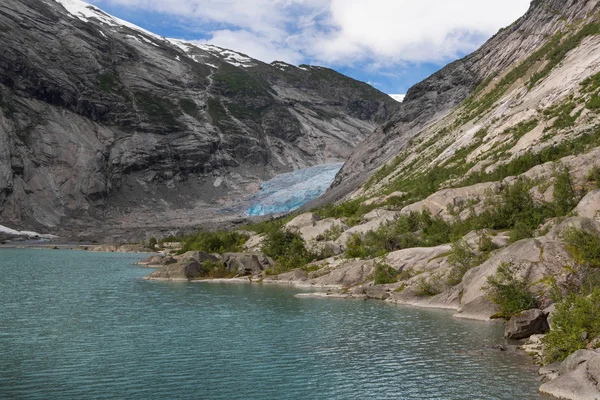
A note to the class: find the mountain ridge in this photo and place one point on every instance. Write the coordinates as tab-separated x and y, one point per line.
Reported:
104	121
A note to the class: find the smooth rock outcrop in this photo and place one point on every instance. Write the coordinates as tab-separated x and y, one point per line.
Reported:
375	219
578	377
181	271
589	206
313	229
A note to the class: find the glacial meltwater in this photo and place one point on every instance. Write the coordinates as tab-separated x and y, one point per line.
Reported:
77	325
288	192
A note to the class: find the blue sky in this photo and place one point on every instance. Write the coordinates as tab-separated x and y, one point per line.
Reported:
391	44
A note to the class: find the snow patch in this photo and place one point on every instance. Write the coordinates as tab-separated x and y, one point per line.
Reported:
30	234
84	12
398	97
288	192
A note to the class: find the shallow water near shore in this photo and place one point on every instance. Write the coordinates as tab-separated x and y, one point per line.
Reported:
77	325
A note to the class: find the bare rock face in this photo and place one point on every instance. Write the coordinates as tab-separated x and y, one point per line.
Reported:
102	122
589	206
435	121
525	324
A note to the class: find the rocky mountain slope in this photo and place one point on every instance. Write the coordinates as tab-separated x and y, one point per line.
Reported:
496	88
103	121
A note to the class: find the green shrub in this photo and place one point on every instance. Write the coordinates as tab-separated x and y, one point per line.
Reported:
152	242
385	274
216	270
575	323
215	242
355	248
429	287
351	210
584	247
565	198
510	293
462	259
593	175
330	234
269	225
287	248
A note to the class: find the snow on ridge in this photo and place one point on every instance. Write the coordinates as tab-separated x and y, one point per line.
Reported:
85	12
229	56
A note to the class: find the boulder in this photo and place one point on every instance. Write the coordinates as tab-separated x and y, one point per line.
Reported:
589	206
525	324
577	377
344	274
199	256
181	271
192	269
247	263
377	293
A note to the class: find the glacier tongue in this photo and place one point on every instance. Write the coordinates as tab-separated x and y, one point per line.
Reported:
287	192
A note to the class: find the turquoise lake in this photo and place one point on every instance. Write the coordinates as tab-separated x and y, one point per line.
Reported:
77	325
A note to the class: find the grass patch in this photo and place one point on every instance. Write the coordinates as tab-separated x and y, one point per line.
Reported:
593	175
214	242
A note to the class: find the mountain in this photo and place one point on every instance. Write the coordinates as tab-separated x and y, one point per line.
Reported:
512	78
104	124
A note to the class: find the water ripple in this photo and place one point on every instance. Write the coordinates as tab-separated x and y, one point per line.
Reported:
75	325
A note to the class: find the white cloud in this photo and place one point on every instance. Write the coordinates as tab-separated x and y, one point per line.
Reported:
343	32
398	97
258	46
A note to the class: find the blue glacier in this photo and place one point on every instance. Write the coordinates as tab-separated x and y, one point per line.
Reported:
288	192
